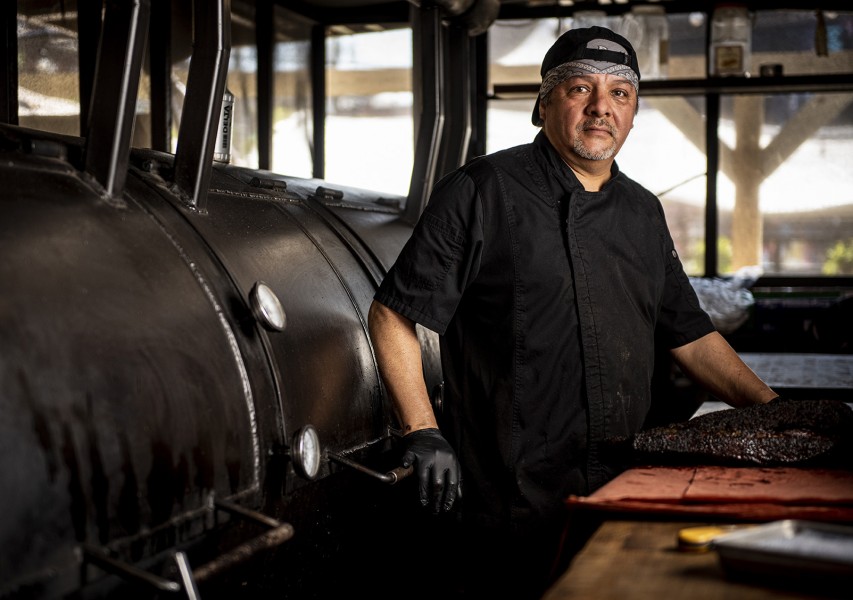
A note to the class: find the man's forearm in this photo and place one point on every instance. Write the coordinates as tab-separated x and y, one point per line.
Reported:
398	354
713	363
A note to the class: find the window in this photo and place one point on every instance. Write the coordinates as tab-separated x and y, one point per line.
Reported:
665	153
369	127
784	188
293	129
48	90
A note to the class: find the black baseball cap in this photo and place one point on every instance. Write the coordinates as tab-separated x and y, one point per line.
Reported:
586	50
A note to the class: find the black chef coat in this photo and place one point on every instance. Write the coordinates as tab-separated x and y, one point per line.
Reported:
549	300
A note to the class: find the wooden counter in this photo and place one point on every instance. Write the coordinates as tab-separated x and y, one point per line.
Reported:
634	552
628	560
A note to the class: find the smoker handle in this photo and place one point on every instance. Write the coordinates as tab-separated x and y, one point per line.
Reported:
391	477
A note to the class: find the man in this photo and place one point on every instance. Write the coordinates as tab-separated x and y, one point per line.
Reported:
550	276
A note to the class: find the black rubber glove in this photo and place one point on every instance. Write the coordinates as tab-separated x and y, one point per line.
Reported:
435	466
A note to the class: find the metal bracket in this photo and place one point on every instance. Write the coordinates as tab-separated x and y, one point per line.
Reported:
99	556
277	533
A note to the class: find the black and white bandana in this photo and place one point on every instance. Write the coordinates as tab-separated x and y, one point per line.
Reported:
585	66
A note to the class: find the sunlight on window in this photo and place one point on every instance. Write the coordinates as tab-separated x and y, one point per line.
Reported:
369	127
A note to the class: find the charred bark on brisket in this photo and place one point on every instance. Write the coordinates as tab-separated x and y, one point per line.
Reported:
782	432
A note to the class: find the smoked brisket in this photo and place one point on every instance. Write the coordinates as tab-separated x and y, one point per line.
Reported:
782	432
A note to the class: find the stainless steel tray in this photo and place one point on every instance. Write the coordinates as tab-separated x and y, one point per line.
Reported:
789	548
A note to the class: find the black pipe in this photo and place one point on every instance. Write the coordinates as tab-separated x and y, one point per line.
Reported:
429	110
9	63
458	95
88	34
116	85
712	153
203	101
318	100
160	76
266	78
480	97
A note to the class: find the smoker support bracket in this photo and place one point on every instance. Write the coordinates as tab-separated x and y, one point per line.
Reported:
277	533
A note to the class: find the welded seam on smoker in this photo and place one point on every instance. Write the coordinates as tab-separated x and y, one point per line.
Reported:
338	275
232	343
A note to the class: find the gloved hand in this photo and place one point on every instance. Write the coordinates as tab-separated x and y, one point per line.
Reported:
435	466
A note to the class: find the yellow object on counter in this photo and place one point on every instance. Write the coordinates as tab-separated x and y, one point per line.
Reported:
698	539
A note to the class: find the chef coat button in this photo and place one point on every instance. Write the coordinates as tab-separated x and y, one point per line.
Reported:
674	254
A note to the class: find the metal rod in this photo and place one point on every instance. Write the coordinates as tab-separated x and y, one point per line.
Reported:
186	575
712	157
277	534
109	564
116	86
244	552
318	100
457	93
203	100
264	25
428	82
160	71
9	63
246	513
88	34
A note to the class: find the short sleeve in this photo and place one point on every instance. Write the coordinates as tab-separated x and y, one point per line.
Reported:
440	258
681	319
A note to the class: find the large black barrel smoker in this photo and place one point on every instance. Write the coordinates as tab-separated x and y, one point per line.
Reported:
186	379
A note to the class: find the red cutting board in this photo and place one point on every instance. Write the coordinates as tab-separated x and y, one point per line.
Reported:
746	492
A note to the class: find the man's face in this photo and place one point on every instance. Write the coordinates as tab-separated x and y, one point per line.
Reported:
588	117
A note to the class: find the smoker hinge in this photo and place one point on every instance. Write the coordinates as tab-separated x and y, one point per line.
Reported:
268	184
328	193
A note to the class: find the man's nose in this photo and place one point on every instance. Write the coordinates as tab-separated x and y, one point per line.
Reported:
599	104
